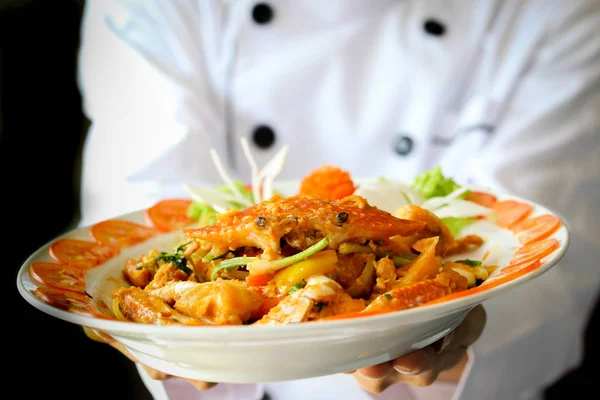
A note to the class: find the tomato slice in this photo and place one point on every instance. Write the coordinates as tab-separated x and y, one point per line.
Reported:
534	251
508	212
58	276
536	228
121	233
81	253
482	198
509	269
258	280
64	299
169	214
265	307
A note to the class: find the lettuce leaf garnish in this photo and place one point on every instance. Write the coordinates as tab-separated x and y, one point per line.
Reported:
202	212
247	193
206	214
433	183
456	225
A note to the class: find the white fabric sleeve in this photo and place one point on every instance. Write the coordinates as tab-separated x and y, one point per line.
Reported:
545	149
148	87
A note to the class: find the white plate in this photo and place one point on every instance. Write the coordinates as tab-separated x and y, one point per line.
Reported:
252	354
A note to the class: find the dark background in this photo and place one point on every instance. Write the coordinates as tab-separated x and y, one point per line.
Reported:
42	129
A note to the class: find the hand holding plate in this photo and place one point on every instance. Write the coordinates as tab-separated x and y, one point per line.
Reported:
444	359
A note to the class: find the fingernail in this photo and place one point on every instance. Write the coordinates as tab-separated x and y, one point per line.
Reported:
413	363
371	378
404	370
376	372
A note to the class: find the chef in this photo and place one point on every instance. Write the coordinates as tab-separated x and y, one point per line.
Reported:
501	93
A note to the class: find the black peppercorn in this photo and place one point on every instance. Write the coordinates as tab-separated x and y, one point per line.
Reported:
261	221
342	217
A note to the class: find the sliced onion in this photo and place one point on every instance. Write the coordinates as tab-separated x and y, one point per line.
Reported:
389	195
271	170
220	201
458	208
254	170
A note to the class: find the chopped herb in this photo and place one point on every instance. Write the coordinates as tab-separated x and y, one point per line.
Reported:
181	246
320	305
177	259
470	263
401	260
209	257
388	296
295	287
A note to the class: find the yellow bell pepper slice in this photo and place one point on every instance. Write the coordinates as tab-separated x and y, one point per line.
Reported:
318	264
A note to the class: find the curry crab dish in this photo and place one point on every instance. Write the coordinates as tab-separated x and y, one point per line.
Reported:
298	259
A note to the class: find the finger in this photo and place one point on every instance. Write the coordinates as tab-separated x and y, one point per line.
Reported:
375	385
470	329
416	362
154	373
97	336
378	371
161	376
201	385
422	367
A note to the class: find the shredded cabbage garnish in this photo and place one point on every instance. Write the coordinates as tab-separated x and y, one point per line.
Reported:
233	195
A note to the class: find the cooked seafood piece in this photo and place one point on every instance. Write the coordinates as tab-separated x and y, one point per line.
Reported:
320	297
152	270
385	271
166	274
433	227
403	297
137	305
222	302
216	303
302	221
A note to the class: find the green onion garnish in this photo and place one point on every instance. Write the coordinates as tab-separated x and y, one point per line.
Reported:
295	287
263	266
230	264
470	263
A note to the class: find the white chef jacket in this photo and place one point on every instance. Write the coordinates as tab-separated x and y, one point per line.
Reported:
500	93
